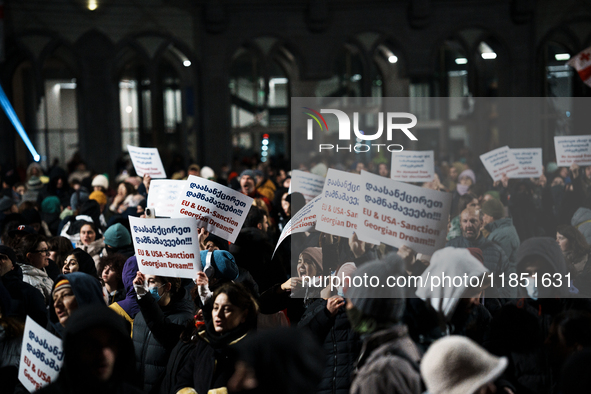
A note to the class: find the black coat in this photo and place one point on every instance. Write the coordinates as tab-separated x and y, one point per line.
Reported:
156	331
25	299
341	345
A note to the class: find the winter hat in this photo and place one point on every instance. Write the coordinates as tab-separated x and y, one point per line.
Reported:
382	303
458	365
50	204
99	197
495	194
100	180
5	203
316	255
34	183
319	169
22	230
469	173
117	236
207	173
8	252
77	199
494	208
249	173
222	262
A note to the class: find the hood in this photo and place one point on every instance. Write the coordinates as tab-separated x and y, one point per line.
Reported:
129	304
86	288
450	262
75	335
549	251
580	216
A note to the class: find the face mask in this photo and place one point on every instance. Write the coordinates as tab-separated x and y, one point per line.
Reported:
532	289
462	189
154	291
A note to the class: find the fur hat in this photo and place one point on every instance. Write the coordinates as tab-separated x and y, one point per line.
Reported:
458	365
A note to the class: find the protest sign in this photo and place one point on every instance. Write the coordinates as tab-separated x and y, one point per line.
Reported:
413	166
530	163
573	149
218	209
310	185
500	162
166	247
304	220
42	356
146	161
163	195
340	205
398	214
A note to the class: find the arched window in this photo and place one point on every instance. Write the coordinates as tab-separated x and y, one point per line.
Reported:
348	73
558	81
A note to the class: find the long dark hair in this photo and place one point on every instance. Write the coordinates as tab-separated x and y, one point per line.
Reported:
578	243
240	297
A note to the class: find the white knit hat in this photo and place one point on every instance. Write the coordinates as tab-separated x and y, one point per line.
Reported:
458	365
100	180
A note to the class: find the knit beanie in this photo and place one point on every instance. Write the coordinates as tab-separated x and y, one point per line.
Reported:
469	173
117	236
8	252
50	204
381	303
99	197
223	264
249	173
458	365
495	194
493	208
314	254
101	180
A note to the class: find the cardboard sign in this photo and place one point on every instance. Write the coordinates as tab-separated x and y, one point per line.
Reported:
530	163
500	162
303	221
573	149
310	185
218	209
146	161
398	214
341	203
413	166
42	356
166	247
163	195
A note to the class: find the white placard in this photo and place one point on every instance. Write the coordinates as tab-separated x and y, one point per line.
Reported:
340	205
166	247
530	163
413	166
573	149
304	220
146	161
398	214
42	356
218	209
310	185
500	161
163	195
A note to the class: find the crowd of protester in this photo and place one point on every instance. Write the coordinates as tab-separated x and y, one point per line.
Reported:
245	323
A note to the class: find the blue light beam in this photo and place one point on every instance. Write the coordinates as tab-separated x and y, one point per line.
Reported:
17	124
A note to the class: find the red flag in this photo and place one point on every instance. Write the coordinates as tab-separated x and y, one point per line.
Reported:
582	63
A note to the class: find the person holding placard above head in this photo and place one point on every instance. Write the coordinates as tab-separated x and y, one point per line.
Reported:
156	328
72	291
495	258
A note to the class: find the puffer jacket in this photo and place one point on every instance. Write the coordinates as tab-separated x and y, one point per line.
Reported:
341	345
156	331
504	234
39	279
582	221
389	363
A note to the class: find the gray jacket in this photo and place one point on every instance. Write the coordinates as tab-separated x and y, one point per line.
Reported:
504	234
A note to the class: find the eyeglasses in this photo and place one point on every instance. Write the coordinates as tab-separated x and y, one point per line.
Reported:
43	251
